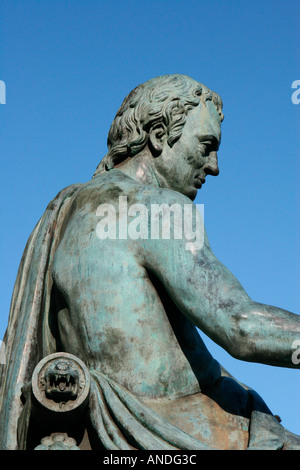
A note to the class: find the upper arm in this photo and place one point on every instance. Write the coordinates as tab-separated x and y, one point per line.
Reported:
200	285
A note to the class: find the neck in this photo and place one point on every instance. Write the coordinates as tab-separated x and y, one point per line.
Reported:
141	169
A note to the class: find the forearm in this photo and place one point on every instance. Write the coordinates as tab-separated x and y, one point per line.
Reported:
266	334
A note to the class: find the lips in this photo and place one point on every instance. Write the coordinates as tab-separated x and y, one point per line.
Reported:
199	182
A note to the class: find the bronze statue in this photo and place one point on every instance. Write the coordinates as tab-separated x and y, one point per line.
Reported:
128	304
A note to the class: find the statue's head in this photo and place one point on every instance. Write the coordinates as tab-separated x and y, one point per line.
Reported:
162	102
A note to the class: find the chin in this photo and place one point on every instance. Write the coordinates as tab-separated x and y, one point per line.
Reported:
191	194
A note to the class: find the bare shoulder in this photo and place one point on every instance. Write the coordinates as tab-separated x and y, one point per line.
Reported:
110	186
162	196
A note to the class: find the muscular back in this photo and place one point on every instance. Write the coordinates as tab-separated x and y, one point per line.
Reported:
114	309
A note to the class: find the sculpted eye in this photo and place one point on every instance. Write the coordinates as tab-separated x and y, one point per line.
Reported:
204	148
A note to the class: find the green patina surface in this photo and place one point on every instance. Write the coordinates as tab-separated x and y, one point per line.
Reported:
130	309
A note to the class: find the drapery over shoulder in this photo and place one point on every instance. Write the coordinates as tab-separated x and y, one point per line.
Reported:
27	338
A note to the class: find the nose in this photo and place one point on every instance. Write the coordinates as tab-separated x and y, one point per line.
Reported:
211	166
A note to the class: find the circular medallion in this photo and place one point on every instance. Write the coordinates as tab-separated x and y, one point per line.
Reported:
61	382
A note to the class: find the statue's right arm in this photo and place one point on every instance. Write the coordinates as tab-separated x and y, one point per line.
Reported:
215	301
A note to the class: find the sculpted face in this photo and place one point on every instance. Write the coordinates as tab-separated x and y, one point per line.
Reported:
184	166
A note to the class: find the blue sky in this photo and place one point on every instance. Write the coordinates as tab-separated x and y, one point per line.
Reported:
68	65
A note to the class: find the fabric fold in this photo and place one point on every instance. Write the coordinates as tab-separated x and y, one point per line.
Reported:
143	427
27	315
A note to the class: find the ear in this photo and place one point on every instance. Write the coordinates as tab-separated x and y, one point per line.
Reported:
157	138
